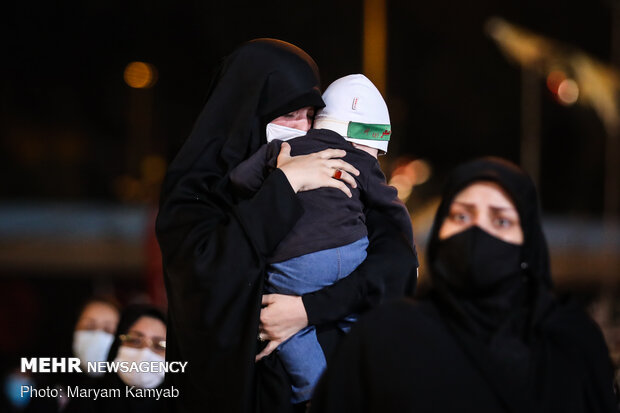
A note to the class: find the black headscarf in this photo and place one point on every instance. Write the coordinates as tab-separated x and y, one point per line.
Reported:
522	191
518	336
535	274
259	81
128	318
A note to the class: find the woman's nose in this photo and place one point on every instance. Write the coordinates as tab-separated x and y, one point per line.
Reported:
483	223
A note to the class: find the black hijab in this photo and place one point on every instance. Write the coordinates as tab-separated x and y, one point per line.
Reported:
522	191
519	336
128	318
534	261
259	81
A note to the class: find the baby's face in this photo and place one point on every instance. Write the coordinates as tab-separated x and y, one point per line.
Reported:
372	151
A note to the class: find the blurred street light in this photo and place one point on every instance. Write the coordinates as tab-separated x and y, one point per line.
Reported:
375	43
573	77
140	75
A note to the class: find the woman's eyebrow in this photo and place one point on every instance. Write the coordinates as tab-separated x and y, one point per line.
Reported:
136	332
502	209
465	204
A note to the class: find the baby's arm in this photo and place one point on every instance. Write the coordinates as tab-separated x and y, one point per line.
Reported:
247	177
377	194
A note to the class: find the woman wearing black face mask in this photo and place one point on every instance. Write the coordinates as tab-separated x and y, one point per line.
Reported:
490	335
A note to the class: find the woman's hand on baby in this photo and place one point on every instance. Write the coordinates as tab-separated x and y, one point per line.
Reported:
280	319
316	170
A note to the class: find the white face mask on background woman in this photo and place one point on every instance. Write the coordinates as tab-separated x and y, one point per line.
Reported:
91	345
146	380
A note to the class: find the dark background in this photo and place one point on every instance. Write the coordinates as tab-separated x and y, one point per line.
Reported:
64	114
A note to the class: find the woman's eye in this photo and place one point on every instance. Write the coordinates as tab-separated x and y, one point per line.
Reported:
460	217
90	326
135	341
503	222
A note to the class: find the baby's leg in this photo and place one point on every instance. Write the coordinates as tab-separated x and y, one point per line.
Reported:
302	355
304	274
304	361
350	257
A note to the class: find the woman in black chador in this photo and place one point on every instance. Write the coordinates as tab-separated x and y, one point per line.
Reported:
214	246
490	336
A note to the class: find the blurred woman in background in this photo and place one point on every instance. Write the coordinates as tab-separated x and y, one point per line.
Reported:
140	337
92	337
94	331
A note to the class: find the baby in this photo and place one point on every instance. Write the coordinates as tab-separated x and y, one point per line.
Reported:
330	239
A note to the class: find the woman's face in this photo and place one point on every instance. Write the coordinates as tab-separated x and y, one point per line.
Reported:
98	316
298	119
488	206
147	332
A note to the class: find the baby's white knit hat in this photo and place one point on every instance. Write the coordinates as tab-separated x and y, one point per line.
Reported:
356	110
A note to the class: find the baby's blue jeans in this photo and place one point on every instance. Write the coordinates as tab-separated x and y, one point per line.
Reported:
302	355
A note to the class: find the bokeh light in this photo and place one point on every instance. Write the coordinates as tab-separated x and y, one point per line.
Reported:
554	79
140	75
408	175
564	89
568	92
153	169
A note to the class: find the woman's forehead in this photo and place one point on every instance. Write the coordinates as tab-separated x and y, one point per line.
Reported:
99	310
484	194
149	326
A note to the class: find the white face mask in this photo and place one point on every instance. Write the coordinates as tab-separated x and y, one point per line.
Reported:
91	345
146	380
282	133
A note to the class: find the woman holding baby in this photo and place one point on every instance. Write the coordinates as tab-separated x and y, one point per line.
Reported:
215	244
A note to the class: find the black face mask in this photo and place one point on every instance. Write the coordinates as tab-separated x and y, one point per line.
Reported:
473	262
